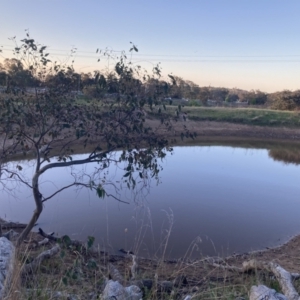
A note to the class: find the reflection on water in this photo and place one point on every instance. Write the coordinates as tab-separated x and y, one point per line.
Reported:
212	201
287	155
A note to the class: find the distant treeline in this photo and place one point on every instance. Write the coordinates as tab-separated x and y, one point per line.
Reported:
14	75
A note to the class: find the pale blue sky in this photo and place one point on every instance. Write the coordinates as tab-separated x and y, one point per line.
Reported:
249	44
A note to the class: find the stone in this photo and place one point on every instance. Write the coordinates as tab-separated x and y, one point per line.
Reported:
261	292
7	255
114	290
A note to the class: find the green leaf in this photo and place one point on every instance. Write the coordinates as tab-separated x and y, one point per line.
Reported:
92	264
66	240
100	192
90	241
65	281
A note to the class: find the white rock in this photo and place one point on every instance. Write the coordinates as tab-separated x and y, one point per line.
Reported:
133	292
114	290
7	255
261	292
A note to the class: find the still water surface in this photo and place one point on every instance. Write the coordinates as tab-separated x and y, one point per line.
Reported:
212	200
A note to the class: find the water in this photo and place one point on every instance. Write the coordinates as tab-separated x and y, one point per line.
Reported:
211	201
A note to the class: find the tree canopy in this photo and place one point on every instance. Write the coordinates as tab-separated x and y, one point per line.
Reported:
47	121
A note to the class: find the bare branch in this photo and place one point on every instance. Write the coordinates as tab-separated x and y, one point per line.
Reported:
58	191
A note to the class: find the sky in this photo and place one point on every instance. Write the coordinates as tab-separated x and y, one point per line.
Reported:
246	44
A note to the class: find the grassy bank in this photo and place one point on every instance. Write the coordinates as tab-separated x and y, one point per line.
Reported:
75	271
249	116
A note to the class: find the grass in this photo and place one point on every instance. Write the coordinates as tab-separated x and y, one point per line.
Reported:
241	115
78	273
75	271
250	116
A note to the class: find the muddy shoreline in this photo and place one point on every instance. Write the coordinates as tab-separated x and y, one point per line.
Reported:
207	133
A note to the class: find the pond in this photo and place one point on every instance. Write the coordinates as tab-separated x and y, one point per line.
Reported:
212	200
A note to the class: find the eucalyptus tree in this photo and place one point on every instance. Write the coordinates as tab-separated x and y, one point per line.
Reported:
49	123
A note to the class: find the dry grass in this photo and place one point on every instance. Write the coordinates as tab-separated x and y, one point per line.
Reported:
75	271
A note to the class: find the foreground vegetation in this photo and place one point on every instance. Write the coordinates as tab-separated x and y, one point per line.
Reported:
79	272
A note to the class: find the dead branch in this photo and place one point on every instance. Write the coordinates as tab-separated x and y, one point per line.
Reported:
284	277
69	242
115	274
61	239
33	266
134	267
35	244
48	236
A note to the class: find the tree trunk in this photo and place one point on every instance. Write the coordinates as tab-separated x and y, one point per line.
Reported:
38	210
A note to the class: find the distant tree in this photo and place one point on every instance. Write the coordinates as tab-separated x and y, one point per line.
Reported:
17	75
232	97
204	95
51	124
110	84
86	79
219	94
3	78
285	100
192	90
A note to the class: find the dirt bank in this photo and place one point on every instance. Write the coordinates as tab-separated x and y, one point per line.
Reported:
211	129
208	132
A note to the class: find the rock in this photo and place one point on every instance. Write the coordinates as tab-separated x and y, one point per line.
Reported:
114	290
134	292
11	235
261	292
7	255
